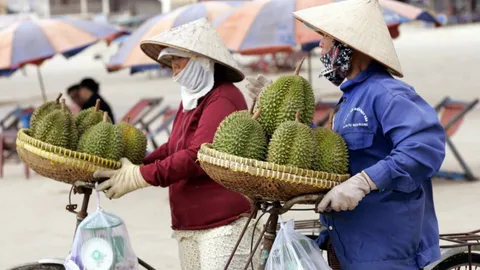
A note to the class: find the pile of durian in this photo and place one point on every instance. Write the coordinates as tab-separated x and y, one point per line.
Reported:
90	131
277	129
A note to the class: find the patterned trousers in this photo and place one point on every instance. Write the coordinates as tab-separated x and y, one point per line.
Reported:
210	249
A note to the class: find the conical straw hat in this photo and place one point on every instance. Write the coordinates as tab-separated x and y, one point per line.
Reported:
197	37
357	23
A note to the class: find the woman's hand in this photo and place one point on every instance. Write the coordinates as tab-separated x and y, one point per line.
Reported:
348	194
122	181
256	85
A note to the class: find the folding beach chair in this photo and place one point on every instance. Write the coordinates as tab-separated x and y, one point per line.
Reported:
11	119
168	115
8	135
322	111
140	110
452	114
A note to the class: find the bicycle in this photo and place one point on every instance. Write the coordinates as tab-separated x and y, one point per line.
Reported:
465	252
79	187
273	208
462	253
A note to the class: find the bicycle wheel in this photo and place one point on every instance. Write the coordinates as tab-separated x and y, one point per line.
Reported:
458	262
39	266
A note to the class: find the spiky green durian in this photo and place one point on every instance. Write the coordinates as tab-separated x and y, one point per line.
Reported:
57	128
292	144
240	134
43	110
332	151
283	98
134	141
89	117
103	139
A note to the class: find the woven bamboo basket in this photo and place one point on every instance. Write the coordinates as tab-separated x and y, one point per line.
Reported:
261	180
58	163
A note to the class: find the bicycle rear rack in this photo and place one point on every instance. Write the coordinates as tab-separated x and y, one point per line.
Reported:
466	239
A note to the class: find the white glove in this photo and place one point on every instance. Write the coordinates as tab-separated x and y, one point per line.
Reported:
348	194
256	85
122	181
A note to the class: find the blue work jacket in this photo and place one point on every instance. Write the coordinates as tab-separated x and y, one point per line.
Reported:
396	138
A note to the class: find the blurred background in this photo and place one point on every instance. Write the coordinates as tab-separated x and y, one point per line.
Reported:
50	46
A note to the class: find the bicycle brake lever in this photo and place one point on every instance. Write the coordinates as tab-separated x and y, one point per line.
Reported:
330	214
327	213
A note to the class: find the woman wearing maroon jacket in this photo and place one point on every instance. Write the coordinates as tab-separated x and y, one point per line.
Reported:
206	217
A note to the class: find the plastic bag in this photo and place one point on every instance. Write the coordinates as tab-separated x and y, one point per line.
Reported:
294	251
101	243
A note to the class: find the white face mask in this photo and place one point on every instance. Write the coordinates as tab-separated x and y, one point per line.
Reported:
196	79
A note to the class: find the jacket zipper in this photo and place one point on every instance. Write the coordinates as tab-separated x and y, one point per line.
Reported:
183	130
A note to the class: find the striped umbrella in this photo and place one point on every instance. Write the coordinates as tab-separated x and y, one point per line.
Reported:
33	41
268	25
131	56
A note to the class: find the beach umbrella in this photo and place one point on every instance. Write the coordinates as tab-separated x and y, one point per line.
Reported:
119	40
129	55
32	41
267	26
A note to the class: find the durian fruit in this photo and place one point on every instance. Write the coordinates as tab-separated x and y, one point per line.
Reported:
89	117
293	144
240	134
57	128
134	142
103	139
332	151
43	110
283	98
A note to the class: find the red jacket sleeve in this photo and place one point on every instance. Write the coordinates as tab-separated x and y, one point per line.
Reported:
158	154
182	164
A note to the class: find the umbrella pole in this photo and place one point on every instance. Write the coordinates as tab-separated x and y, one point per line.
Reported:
42	86
310	67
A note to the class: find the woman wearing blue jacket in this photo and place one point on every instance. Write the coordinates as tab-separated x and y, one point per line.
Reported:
396	144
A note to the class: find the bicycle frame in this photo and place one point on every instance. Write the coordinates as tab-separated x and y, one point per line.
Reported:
468	242
267	235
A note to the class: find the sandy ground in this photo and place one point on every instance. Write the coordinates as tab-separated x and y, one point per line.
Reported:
34	223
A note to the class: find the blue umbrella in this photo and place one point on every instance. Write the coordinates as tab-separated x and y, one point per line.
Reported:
33	41
131	56
267	26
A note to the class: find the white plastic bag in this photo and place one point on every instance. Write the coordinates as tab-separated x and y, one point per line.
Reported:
294	251
101	243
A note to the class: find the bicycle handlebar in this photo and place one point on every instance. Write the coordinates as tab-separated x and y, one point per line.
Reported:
83	184
302	199
308	198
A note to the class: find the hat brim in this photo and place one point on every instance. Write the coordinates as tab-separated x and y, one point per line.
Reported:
153	48
325	33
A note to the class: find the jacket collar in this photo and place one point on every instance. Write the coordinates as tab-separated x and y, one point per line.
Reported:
373	67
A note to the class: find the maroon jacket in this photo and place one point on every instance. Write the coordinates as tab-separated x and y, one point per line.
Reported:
196	201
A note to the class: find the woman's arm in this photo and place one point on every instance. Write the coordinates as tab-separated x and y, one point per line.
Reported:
157	154
182	164
418	144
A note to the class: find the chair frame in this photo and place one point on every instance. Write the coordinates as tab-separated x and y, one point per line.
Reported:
168	116
9	134
450	126
323	109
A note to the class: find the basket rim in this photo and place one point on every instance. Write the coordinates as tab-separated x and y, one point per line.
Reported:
285	178
57	151
206	149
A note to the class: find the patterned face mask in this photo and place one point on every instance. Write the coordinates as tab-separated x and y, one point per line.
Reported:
337	62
